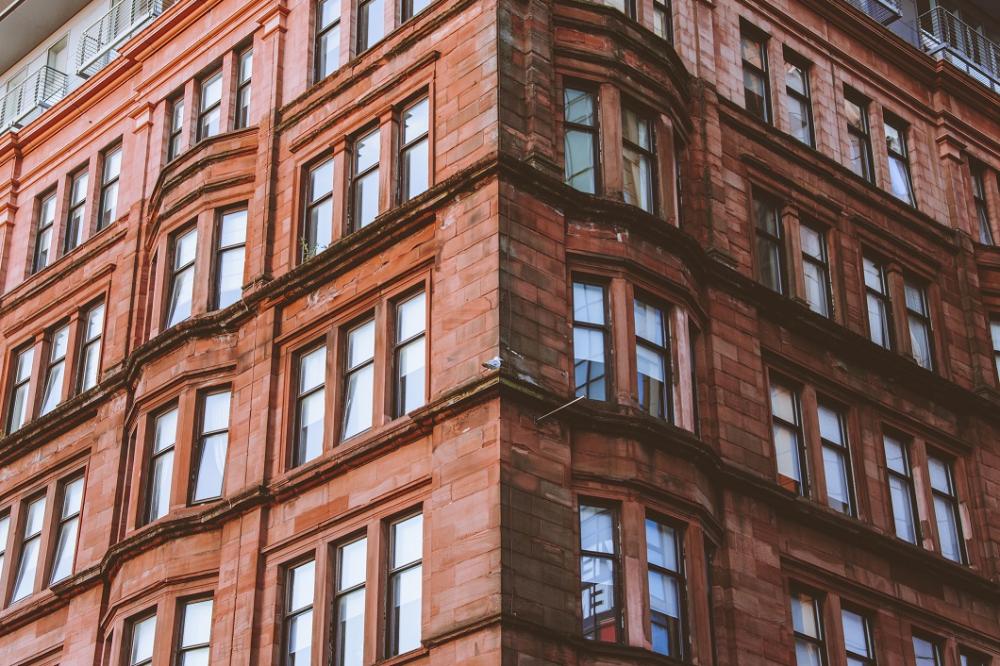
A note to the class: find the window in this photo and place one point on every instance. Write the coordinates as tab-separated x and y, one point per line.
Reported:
858	642
815	269
666	585
807	625
652	360
663	20
979	201
969	658
365	184
318	232
161	465
68	530
995	337
580	139
410	354
210	105
76	218
310	406
602	615
175	138
899	161
31	544
406	544
371	23
918	318
17	414
44	231
859	137
879	309
327	47
213	441
901	489
195	632
244	76
229	257
590	332
770	249
797	99
836	459
90	352
756	81
56	370
142	633
181	293
110	173
786	425
4	533
359	385
639	160
926	652
414	157
949	526
300	588
349	603
411	8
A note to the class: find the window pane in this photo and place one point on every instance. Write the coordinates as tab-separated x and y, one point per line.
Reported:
878	324
24	583
230	277
361	344
752	51
855	633
597	529
353	564
300	639
902	509
185	248
415	120
661	545
588	303
597	582
816	288
783	403
664	596
837	483
197	623
366	199
651	373
581	173
637	180
165	430
351	628
649	323
407	541
786	448
328	49
371	26
416	163
804	615
580	107
310	436
143	633
211	467
62	565
53	388
940	473
321	180
406	601
359	403
920	342
925	652
412	362
947	524
899	177
411	318
588	363
302	581
163	470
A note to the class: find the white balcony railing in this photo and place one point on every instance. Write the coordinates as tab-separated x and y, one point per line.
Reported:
946	37
37	92
99	42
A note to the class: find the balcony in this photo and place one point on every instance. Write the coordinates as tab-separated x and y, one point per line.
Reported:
99	42
946	37
39	90
883	11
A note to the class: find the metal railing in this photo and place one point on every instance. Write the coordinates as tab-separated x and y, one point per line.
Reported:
99	42
39	90
883	11
947	37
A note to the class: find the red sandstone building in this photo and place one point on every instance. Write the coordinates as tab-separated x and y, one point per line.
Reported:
520	332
